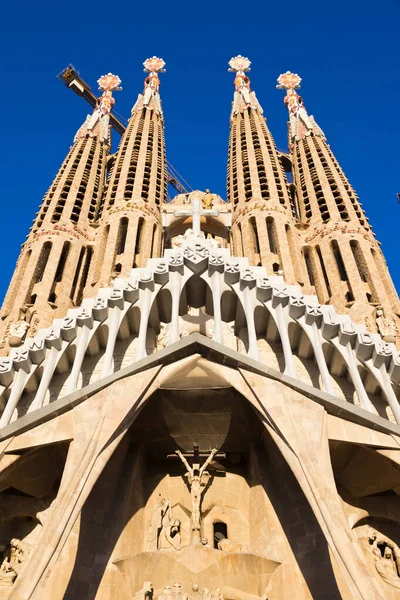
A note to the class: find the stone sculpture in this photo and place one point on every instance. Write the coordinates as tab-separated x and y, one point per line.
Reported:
207	200
177	593
11	565
162	338
146	593
386	327
387	558
170	535
18	330
196	594
166	594
7	574
164	529
196	481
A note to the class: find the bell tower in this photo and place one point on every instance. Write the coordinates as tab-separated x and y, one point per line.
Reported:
344	263
130	229
263	210
52	268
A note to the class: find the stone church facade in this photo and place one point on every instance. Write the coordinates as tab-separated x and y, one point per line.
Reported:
200	399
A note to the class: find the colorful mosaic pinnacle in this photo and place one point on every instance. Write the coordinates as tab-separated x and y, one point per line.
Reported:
239	63
109	83
288	81
154	65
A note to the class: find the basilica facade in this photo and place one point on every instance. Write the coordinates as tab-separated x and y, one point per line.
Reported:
199	398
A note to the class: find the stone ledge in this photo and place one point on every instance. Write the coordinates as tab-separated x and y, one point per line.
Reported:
214	352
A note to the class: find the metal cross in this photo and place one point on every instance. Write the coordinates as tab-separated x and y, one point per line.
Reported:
196	211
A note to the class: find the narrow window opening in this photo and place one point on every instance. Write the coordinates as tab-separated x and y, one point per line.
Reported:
321	262
62	261
271	231
359	260
138	245
307	260
77	272
39	270
85	272
256	241
339	261
121	237
220	533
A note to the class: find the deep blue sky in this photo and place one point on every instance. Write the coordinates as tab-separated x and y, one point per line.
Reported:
347	53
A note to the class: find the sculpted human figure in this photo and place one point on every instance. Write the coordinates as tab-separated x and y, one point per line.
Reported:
162	338
207	200
387	327
197	484
10	567
165	528
196	594
7	573
177	593
387	558
156	523
19	329
19	552
170	535
146	593
166	593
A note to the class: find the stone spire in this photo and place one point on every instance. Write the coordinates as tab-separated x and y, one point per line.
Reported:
263	213
131	229
344	262
53	265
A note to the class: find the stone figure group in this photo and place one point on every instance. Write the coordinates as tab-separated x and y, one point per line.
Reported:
165	528
175	592
11	565
196	479
387	558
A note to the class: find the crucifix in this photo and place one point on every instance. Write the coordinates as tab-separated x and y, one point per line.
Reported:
197	483
196	211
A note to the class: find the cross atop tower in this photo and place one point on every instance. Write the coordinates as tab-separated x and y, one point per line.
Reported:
196	211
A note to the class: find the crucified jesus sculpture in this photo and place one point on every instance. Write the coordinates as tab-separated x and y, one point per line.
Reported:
197	484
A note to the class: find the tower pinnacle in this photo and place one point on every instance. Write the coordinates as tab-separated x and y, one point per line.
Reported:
263	212
130	229
151	94
53	266
243	97
301	124
100	117
344	263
